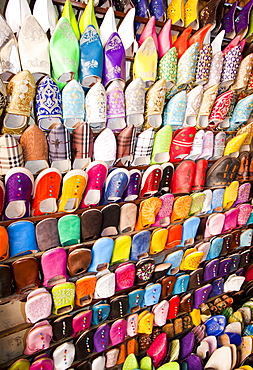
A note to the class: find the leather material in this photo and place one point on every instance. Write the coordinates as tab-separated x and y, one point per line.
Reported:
101	252
158	349
222	172
64	39
149	31
174	236
111	217
118	307
167	285
181	42
144	270
231	219
91	223
214	224
91	57
69	230
25	274
38	305
54	266
47	234
6	280
135	299
114	60
19	187
84	345
201	295
125	276
63	297
181	208
200	175
118	331
151	294
81	322
4	248
62	328
22	239
100	312
34	341
78	261
140	244
183	176
211	270
181	143
101	338
164	39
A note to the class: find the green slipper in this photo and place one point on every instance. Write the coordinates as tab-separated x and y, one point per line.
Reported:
130	363
146	363
69	14
69	229
161	146
88	18
64	43
174	350
170	366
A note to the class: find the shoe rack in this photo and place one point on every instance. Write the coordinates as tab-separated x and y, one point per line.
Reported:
18	331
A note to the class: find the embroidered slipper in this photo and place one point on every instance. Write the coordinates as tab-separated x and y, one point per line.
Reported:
18	109
135	103
163	216
72	104
114	67
48	104
194	98
167	67
64	40
33	52
149	209
145	62
174	110
187	66
155	99
91	57
96	107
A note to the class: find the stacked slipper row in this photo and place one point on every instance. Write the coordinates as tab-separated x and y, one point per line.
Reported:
89	341
209	86
166	245
25	237
22	196
63	151
224	336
